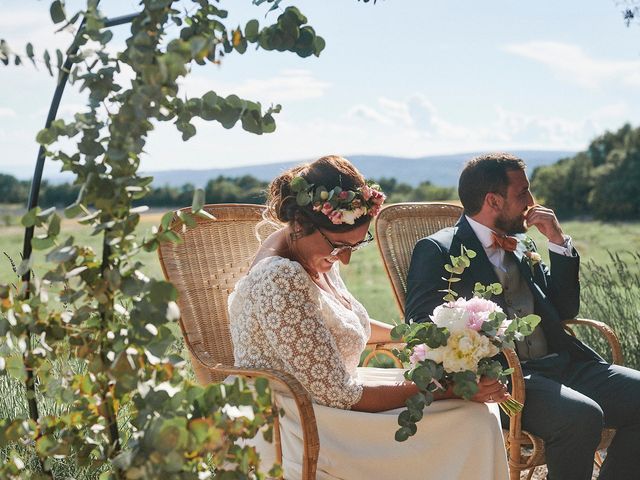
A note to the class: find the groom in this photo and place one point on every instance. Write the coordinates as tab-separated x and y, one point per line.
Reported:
571	392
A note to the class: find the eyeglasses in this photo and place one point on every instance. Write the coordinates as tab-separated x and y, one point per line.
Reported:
338	249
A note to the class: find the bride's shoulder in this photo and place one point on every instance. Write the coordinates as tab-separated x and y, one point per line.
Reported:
277	266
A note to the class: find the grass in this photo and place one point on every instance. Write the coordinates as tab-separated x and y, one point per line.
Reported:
11	239
365	275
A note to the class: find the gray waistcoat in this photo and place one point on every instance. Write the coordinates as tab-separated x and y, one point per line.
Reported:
519	300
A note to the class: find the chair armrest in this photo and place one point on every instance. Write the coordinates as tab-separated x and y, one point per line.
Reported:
517	392
384	349
607	332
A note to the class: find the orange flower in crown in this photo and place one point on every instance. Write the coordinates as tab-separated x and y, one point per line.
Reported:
340	206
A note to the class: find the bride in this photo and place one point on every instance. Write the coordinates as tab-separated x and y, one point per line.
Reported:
292	312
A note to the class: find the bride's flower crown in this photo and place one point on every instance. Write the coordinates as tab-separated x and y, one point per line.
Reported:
340	206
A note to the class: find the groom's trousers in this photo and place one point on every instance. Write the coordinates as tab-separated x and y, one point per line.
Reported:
568	403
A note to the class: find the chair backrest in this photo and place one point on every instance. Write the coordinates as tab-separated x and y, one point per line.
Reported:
399	227
204	269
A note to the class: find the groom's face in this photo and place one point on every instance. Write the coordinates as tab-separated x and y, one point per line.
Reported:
511	218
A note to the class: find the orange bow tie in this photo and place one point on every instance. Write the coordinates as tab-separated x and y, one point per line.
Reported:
505	242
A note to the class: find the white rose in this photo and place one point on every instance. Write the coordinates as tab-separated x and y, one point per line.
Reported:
454	362
465	345
451	317
349	216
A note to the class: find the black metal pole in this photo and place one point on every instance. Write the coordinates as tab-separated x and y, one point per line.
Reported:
36	181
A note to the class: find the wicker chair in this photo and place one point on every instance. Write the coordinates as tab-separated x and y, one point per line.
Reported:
204	269
398	228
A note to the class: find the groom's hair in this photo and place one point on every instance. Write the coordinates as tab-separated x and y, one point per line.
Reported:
485	174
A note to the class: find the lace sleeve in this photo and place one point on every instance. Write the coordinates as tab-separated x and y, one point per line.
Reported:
290	316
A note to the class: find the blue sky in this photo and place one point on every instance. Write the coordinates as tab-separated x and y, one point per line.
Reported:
402	77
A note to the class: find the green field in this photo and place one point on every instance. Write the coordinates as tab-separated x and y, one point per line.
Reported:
365	274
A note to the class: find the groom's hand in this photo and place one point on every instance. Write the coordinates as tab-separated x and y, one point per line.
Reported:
544	219
490	391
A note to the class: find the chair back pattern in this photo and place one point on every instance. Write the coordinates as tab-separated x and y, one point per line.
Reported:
399	227
204	268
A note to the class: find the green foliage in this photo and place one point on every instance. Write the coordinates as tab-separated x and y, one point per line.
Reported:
93	335
424	192
457	267
603	181
430	375
611	294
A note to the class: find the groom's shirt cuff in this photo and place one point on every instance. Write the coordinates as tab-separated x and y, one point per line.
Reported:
565	249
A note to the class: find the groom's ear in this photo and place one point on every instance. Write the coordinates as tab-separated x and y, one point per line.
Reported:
493	201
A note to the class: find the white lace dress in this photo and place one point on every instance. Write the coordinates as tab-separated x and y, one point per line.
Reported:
279	318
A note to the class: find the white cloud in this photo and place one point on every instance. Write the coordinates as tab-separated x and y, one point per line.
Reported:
367	113
413	126
287	86
574	64
7	112
416	116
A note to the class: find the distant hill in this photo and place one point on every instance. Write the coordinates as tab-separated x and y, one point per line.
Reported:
442	170
439	169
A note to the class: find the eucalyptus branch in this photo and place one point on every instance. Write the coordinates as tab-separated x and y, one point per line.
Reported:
456	268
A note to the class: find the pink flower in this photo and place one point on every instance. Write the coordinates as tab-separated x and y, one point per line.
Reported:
479	310
419	354
343	195
335	217
377	197
366	192
327	208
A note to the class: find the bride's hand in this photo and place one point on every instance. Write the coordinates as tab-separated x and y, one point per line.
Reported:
490	391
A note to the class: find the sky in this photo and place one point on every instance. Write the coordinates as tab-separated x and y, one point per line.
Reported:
405	78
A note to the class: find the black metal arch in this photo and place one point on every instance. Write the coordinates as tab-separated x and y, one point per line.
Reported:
36	180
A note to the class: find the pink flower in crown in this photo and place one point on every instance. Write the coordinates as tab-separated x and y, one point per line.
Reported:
366	192
377	197
374	210
479	310
327	208
343	195
335	217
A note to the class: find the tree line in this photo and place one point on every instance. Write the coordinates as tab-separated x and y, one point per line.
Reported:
245	189
602	182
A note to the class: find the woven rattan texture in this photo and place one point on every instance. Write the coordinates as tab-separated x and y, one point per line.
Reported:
399	227
205	268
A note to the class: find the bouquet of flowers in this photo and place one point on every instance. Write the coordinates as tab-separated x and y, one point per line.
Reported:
458	346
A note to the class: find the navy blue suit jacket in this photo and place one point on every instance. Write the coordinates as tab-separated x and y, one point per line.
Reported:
556	291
